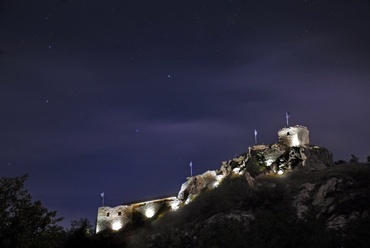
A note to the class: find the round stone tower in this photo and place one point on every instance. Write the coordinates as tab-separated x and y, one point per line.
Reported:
296	136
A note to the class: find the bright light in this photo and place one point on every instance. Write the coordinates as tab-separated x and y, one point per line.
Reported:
295	140
116	225
280	172
219	178
269	162
216	184
236	171
149	212
175	205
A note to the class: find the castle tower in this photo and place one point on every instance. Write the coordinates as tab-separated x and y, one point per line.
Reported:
296	136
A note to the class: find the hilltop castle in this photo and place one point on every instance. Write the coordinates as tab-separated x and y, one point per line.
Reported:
292	150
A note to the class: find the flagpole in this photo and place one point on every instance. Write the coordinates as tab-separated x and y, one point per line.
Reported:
102	199
255	136
287	115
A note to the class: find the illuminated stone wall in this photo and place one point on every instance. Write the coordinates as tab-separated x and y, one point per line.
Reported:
115	218
296	136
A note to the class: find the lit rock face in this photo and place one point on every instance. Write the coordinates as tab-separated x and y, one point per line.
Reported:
195	184
294	136
278	158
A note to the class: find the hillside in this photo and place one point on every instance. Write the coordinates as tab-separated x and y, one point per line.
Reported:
326	208
313	204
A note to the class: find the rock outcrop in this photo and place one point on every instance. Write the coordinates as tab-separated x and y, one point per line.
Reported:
336	199
273	159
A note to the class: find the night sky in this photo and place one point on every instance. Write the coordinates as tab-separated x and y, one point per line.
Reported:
119	96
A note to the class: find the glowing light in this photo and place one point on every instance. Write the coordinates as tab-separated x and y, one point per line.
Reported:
219	179
236	170
295	141
269	162
175	205
149	213
116	225
280	172
216	184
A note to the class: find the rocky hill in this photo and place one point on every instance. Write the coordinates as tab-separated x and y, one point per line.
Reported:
248	203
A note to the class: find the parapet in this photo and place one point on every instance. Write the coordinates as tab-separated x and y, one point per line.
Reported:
296	136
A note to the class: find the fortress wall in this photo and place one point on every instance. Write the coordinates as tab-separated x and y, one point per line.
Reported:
113	218
118	217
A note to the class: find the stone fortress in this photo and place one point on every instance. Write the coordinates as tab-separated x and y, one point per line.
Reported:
115	218
292	150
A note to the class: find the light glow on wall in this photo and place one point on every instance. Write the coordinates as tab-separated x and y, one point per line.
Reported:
149	212
219	179
215	184
295	140
117	225
269	162
175	205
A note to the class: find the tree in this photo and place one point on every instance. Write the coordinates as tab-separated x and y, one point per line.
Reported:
25	223
340	161
368	159
353	159
79	234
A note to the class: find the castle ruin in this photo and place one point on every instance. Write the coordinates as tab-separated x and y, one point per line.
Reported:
290	151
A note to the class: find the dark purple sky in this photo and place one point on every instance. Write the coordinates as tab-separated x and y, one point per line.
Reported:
119	96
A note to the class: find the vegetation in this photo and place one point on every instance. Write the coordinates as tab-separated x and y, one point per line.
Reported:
231	215
206	221
340	161
354	159
25	223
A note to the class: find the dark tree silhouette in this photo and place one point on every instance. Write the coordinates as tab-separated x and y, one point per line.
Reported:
353	159
25	223
340	161
79	234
